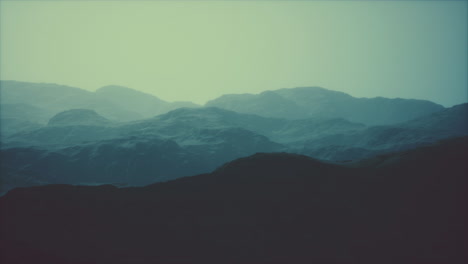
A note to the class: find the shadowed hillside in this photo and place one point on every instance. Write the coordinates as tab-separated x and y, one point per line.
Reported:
405	207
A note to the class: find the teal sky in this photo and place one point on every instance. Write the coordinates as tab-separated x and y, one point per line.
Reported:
197	50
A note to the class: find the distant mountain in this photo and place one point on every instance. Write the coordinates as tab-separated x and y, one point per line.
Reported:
206	138
451	119
145	104
73	117
76	148
315	102
127	160
184	125
451	122
296	132
268	104
329	139
267	208
115	103
54	98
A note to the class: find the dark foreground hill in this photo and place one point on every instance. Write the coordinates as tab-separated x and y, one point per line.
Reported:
407	207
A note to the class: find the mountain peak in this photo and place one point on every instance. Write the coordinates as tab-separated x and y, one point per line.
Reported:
118	90
318	102
78	117
307	88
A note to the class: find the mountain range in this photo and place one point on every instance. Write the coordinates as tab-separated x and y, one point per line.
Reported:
304	102
190	141
116	103
119	103
81	146
404	207
301	175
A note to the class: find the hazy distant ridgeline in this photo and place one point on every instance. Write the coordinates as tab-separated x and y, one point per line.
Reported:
304	102
116	103
60	134
124	104
448	123
184	125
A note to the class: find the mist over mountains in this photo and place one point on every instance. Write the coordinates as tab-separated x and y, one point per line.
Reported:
120	103
233	132
304	102
59	134
116	103
301	175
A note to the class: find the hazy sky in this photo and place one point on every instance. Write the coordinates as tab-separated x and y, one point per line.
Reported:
197	50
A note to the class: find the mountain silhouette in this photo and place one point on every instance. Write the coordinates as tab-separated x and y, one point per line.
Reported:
405	207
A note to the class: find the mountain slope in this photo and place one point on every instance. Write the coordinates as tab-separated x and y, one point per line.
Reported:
55	98
73	117
73	150
184	125
116	103
127	160
205	138
267	208
304	102
24	112
183	122
451	122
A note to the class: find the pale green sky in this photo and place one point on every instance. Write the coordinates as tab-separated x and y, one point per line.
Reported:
198	50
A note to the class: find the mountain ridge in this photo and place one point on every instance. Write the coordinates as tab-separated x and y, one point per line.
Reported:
78	117
302	102
267	208
55	98
204	138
